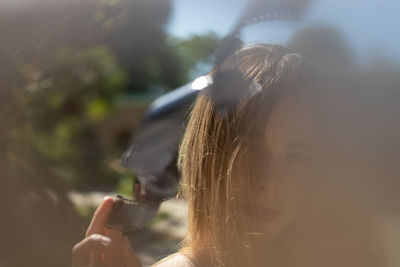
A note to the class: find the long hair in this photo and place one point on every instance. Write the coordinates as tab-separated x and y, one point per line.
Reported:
215	151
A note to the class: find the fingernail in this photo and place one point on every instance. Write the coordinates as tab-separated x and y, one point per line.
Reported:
105	240
107	197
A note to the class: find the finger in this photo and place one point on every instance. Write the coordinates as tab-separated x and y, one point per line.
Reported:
113	251
96	259
81	252
128	256
100	217
114	263
113	234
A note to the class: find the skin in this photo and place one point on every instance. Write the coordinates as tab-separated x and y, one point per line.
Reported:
289	146
103	247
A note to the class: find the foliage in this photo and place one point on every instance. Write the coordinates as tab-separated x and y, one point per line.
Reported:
63	64
196	53
65	98
125	184
66	73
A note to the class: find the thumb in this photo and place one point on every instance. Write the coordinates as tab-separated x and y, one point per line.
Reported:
129	257
93	244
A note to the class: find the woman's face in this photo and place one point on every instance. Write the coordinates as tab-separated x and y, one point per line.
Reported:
285	164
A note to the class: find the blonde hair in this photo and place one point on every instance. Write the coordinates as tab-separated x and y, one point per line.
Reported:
214	147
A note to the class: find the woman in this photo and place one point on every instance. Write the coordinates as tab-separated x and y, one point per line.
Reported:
251	177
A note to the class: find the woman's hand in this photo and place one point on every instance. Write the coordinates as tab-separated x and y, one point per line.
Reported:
103	247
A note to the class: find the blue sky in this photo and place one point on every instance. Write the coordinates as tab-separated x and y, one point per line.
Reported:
368	24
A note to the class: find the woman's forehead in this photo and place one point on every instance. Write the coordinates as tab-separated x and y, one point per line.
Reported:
291	121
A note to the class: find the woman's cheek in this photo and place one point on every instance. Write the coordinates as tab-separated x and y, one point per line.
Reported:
292	200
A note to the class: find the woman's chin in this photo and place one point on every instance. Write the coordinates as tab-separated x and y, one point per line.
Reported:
268	226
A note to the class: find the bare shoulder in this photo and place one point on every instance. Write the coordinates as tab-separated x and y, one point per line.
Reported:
175	260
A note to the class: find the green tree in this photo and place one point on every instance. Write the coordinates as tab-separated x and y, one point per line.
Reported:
63	63
196	53
65	98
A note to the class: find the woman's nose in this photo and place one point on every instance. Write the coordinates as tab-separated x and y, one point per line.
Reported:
270	184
